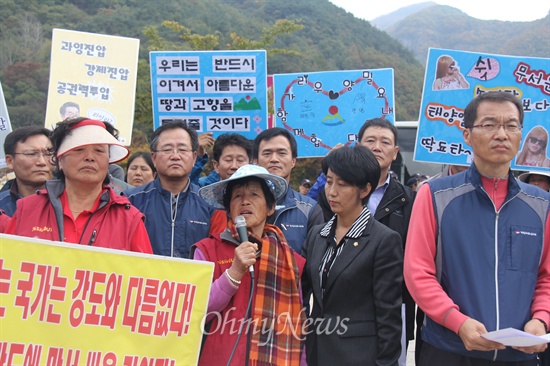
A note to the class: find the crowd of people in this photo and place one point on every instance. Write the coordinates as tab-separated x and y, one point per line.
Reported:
346	270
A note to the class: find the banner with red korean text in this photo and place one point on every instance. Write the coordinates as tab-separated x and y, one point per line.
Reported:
93	75
76	305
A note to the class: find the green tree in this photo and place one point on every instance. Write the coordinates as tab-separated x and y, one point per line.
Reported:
197	42
24	83
268	38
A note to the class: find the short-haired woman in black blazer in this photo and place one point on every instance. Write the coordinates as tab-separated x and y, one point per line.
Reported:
354	269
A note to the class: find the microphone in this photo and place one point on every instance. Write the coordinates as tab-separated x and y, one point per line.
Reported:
240	224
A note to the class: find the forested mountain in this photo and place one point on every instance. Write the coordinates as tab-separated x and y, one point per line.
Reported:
385	21
299	35
331	39
427	25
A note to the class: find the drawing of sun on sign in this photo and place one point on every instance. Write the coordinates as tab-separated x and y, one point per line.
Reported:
323	109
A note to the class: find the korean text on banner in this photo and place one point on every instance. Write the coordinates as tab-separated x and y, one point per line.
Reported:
212	91
453	78
325	108
93	76
5	126
78	305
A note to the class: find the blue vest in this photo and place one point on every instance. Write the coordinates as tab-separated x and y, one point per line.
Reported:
487	260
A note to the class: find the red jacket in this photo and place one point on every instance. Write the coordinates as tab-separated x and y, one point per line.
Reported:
113	225
4	219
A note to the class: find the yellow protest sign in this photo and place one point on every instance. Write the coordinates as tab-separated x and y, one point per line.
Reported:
94	76
69	304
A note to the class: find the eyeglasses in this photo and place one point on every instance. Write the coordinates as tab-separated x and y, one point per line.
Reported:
35	155
534	140
494	127
170	150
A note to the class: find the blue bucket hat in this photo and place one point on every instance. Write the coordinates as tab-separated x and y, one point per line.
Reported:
213	193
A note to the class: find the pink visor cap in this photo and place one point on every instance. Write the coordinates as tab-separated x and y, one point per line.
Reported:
93	132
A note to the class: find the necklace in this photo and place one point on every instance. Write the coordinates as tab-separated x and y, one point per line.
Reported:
532	162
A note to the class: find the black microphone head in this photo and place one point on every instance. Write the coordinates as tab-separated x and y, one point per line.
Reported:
240	221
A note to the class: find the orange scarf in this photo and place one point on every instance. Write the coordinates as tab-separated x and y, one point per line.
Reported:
277	314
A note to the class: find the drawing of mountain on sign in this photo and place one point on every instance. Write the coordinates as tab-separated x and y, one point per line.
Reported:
247	104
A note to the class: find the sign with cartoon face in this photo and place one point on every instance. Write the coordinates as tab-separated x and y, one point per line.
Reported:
453	78
100	82
323	109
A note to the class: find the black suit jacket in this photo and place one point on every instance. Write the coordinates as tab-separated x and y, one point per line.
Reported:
394	211
357	321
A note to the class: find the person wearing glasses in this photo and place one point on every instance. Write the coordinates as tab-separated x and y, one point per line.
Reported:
27	154
69	110
448	76
478	249
534	149
175	216
79	206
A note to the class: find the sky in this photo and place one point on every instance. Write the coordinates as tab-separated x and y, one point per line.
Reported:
511	10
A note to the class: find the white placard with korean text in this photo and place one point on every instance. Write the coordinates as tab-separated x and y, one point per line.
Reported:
5	126
94	76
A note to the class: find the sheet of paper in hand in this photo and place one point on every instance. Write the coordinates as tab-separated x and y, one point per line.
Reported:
516	338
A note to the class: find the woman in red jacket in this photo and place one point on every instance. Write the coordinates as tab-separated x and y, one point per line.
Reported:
79	206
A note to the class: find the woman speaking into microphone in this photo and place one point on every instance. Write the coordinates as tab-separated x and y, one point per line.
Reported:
251	320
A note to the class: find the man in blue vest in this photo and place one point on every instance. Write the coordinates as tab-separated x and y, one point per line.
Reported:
478	249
